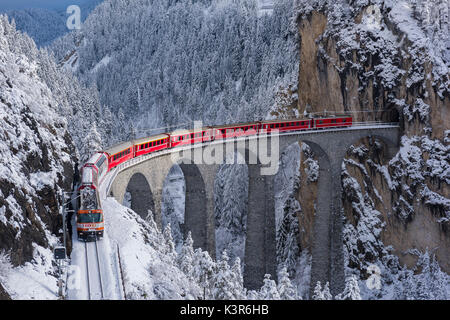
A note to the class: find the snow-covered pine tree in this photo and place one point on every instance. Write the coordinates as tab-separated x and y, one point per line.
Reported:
169	247
204	270
223	279
285	288
326	292
318	294
440	281
269	289
186	257
93	144
238	280
351	291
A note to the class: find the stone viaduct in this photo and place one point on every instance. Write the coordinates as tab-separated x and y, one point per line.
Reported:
144	178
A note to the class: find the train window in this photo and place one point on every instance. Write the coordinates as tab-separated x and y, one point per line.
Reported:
344	120
333	121
320	121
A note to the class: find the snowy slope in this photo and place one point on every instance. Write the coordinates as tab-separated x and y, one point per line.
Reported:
36	161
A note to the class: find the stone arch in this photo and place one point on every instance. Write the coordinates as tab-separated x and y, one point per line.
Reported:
173	203
195	212
326	235
290	166
259	247
325	248
141	195
229	235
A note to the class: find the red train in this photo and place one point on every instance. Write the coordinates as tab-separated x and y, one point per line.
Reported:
90	216
125	151
90	219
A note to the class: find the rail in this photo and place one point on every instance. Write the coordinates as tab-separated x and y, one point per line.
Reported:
97	270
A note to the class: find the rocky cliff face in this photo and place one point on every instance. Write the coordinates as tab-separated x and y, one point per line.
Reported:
36	159
378	61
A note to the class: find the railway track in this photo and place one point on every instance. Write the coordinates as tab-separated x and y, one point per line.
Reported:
93	271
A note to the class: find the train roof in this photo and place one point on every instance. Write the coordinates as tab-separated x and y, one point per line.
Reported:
119	147
152	138
187	131
326	116
285	120
242	124
95	157
88	175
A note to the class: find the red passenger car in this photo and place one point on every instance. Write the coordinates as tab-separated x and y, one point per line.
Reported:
237	130
333	122
151	144
286	125
119	154
186	137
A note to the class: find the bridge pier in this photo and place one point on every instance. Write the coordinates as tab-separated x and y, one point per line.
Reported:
260	245
327	247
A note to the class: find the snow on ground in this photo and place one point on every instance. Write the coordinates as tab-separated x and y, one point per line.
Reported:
148	272
33	281
77	288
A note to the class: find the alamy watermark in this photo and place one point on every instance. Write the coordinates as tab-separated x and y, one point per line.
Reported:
262	149
74	19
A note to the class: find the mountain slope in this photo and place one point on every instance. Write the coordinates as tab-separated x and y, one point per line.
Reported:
174	62
36	162
386	60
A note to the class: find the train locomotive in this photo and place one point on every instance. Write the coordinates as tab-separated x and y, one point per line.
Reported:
90	218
